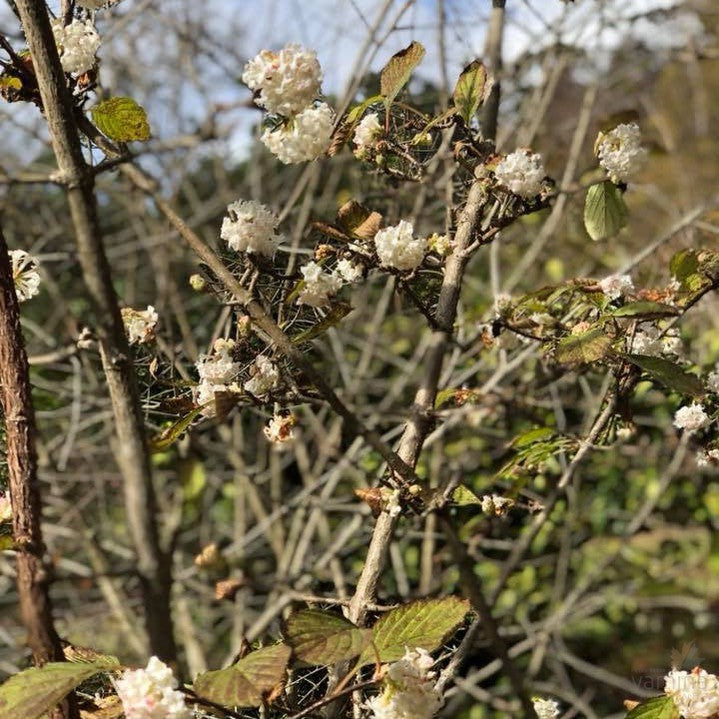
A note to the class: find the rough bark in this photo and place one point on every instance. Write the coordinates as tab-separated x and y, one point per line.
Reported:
33	577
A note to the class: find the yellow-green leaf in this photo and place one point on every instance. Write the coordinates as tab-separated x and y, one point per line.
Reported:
121	119
34	691
584	348
318	637
396	73
645	309
169	436
464	496
605	212
249	682
471	90
424	624
662	707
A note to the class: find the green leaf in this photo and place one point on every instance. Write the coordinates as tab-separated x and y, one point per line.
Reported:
169	436
583	348
318	637
464	496
662	707
533	435
644	308
605	212
471	90
34	691
121	119
424	624
669	374
396	73
192	478
683	264
249	682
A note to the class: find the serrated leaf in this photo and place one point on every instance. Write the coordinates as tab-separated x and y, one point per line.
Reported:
318	637
605	212
668	373
396	73
662	707
464	496
34	691
471	90
533	435
358	220
121	119
644	308
248	682
169	436
424	624
583	348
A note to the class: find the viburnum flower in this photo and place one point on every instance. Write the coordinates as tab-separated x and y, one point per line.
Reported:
545	708
713	381
279	428
691	418
408	689
650	341
5	508
139	324
521	172
24	274
495	504
77	44
348	271
318	285
397	247
303	138
264	378
250	227
286	81
616	286
707	458
218	367
151	693
695	693
368	131
620	151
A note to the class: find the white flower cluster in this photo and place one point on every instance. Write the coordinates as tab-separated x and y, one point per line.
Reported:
348	271
545	708
367	132
24	274
496	505
250	227
5	508
303	138
695	693
151	693
409	691
620	151
77	44
616	286
649	340
279	428
264	377
707	458
397	247
318	285
286	81
713	381
139	324
521	172
216	371
691	418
